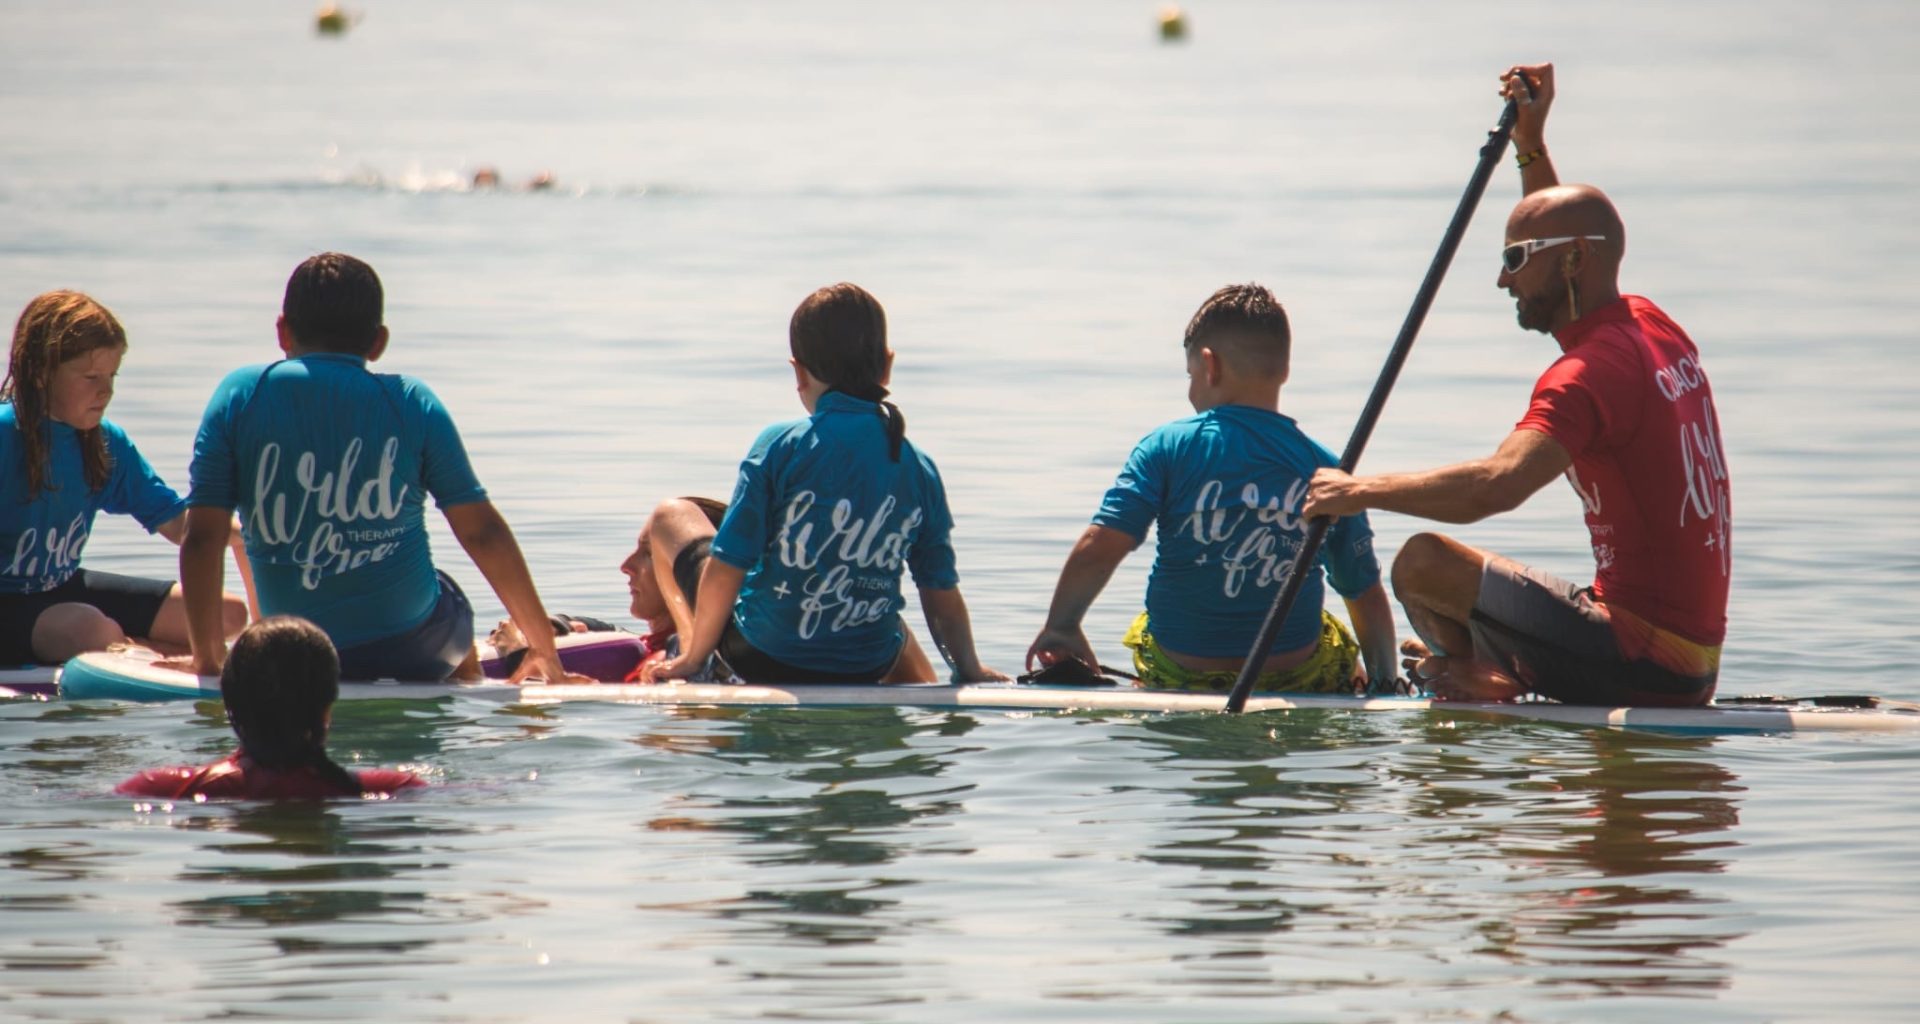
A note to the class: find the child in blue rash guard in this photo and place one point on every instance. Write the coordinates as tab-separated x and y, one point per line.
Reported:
1224	490
61	463
801	583
329	466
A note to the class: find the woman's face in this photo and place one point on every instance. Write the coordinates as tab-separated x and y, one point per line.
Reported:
82	387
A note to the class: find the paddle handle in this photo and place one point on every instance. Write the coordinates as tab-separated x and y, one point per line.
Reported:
1490	154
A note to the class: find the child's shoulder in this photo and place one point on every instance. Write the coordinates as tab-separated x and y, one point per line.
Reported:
779	434
1226	427
115	435
243	379
1174	433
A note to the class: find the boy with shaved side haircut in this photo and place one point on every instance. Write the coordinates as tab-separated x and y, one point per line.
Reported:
1223	489
1627	415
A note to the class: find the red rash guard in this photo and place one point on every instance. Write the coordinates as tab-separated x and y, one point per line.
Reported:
1629	401
237	778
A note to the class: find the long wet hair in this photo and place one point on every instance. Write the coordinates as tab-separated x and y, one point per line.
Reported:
280	678
839	334
54	328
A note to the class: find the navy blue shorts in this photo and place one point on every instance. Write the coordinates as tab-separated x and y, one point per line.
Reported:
131	601
427	653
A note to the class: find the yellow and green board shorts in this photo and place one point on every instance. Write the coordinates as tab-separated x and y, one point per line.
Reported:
1330	670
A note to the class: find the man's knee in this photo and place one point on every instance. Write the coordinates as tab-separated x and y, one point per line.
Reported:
1417	561
65	630
1435	571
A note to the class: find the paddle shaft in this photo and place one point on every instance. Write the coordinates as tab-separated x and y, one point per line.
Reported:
1490	154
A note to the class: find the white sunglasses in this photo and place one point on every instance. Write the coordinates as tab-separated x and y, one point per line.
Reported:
1516	254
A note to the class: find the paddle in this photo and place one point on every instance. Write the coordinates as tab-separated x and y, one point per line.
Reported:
1490	154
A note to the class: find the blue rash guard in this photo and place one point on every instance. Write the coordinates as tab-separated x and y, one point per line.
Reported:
822	523
1224	489
329	466
41	540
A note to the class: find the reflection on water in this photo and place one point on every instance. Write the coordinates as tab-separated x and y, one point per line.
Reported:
820	863
1568	855
835	801
306	863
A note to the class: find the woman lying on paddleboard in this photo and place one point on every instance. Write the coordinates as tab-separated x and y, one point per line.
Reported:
801	583
61	462
279	683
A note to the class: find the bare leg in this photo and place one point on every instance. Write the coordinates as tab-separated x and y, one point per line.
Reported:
1437	580
913	665
168	633
64	630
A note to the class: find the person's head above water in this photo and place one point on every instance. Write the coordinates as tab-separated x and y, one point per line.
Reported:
334	303
279	683
66	351
1562	255
838	336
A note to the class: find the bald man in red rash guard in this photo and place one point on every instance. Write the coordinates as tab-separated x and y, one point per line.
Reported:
1627	416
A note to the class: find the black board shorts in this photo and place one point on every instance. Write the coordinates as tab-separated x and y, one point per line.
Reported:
131	601
1556	639
744	659
427	653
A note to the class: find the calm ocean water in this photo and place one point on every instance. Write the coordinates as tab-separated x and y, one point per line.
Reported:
1040	194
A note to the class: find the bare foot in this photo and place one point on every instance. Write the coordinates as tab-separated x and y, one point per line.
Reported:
1461	679
1414	659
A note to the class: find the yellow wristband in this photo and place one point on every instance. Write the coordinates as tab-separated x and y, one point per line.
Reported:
1523	159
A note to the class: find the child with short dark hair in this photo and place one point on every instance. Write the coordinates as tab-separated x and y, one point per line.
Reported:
279	683
1223	488
61	463
801	582
329	466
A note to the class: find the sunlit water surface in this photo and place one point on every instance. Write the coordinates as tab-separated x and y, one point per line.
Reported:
1040	194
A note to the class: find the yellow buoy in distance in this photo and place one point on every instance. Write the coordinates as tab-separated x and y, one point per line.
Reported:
330	20
1173	24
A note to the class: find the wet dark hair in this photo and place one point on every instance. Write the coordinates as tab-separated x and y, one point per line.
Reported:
839	334
279	680
54	328
334	303
1247	326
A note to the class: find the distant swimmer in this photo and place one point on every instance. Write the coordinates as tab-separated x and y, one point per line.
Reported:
62	462
1627	416
487	177
279	684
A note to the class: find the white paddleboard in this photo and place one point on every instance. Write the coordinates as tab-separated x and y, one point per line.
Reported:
134	675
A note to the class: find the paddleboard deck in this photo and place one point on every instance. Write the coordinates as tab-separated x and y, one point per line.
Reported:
128	675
